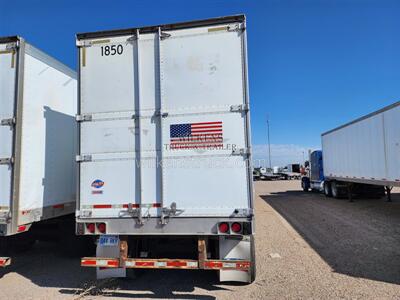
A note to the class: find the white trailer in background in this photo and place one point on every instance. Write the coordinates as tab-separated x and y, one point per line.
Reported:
165	148
37	140
363	154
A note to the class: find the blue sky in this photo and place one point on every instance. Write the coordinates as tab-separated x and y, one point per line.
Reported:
313	64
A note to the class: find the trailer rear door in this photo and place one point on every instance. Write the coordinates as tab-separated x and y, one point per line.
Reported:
7	106
164	123
203	82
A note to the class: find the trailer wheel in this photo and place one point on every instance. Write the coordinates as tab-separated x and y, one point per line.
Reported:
327	189
334	190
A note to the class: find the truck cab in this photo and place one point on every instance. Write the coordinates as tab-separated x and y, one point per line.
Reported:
314	177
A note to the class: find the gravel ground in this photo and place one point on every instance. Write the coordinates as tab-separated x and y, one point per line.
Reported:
308	246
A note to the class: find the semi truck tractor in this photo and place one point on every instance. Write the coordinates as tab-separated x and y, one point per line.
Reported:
358	158
165	179
37	145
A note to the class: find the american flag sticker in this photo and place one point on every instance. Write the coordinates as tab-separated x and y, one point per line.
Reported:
206	135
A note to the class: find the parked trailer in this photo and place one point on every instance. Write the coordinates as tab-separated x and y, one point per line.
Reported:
291	171
165	148
37	141
361	157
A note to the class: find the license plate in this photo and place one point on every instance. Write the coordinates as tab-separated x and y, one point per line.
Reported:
108	240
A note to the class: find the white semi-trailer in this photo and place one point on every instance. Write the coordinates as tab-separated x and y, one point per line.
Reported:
165	148
360	157
37	142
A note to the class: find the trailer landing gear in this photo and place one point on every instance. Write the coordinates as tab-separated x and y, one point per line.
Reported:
388	190
350	192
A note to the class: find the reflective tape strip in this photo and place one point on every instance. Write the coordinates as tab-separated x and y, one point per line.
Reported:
144	264
113	263
58	206
130	264
176	264
88	262
166	264
192	264
139	263
105	206
229	265
110	263
97	206
5	261
234	265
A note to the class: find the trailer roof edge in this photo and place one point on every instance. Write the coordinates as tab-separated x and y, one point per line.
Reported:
166	27
386	108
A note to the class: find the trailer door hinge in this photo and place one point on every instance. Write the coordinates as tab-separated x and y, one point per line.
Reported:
7	161
238	28
243	212
83	158
8	122
168	212
84	118
240	108
83	43
241	152
84	213
132	38
12	47
5	217
164	35
161	114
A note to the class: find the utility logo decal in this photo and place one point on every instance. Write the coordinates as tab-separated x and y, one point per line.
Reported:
98	184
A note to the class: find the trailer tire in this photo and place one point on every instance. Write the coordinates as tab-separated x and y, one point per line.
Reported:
334	190
327	189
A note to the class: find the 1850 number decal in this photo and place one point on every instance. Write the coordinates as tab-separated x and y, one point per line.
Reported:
112	50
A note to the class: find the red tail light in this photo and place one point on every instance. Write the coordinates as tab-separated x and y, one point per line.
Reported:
101	227
91	227
223	227
236	227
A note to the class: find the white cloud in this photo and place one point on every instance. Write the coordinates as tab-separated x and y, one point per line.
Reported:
281	154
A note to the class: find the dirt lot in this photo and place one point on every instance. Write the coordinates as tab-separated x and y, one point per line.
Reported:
308	246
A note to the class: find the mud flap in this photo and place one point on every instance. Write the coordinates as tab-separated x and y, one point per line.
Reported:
111	252
235	248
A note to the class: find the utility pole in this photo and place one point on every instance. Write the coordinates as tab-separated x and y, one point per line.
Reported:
269	144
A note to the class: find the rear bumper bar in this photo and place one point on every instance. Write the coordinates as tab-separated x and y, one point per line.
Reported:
238	265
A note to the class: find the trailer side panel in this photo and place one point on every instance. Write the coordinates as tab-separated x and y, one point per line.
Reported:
365	150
